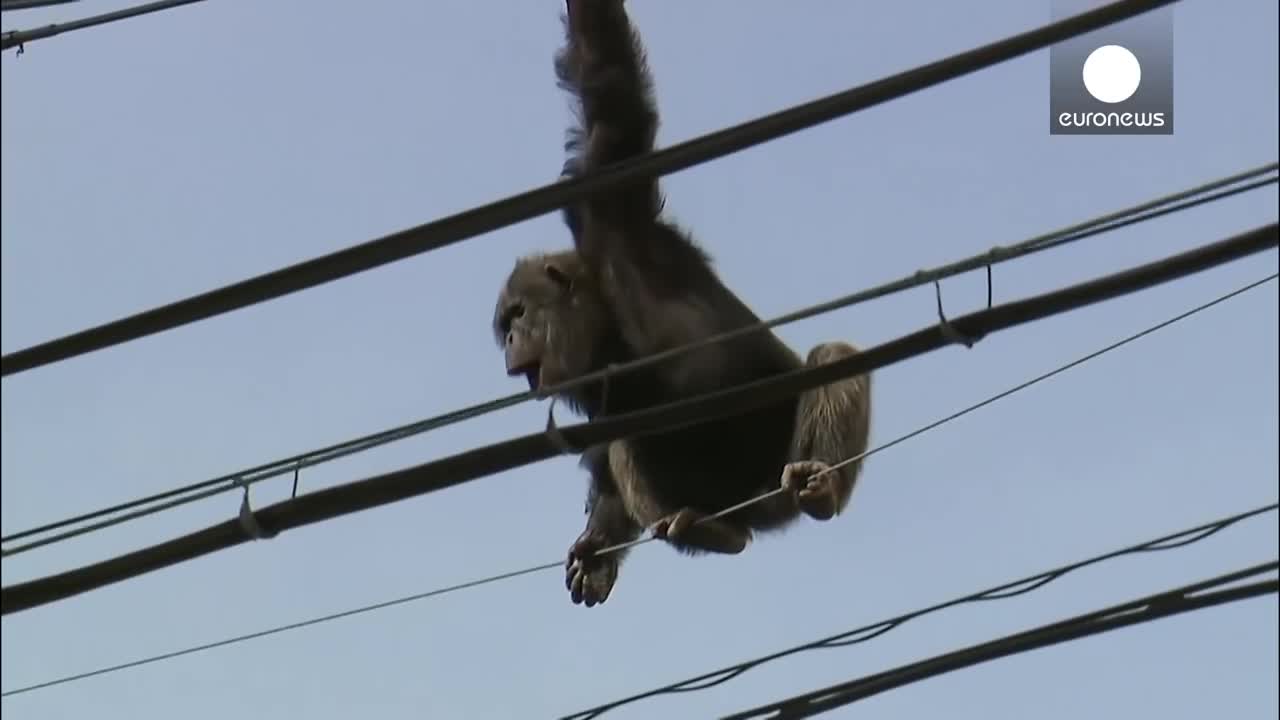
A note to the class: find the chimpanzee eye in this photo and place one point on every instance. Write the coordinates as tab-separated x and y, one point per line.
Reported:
511	314
559	277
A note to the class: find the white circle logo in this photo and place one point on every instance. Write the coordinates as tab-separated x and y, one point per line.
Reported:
1112	74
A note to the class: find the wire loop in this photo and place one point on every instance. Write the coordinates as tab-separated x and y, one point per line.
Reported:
949	331
553	432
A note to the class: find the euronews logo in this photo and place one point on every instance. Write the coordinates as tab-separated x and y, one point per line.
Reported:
1114	81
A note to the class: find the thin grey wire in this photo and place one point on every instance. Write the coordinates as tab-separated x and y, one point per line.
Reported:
291	626
1191	535
1173	601
1154	545
1171	203
874	630
999	396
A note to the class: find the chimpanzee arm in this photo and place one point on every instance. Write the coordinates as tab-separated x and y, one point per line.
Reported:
603	66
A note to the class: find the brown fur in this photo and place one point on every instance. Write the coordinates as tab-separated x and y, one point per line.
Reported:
635	284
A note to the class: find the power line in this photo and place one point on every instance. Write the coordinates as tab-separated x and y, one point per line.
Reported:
410	482
439	474
872	631
1018	587
18	38
284	628
1135	612
988	401
194	492
1155	606
516	208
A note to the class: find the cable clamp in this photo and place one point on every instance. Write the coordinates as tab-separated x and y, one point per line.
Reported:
248	521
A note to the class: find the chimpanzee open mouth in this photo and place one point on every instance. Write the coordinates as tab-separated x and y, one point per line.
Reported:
532	373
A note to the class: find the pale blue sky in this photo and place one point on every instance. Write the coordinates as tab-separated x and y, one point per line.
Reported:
156	158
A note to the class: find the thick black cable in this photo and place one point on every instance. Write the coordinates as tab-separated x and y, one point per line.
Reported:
1020	587
864	633
433	476
1187	598
18	38
6	5
200	490
524	206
